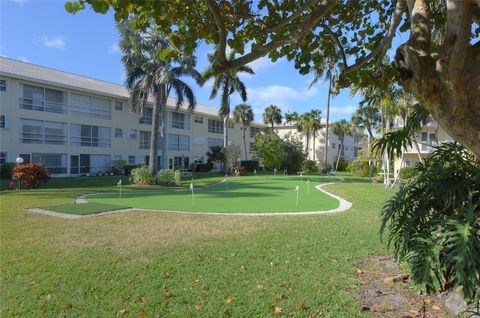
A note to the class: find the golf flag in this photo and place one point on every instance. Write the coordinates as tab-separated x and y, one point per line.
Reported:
191	186
297	188
308	186
193	195
301	176
119	184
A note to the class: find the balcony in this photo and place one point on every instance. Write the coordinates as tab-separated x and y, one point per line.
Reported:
39	105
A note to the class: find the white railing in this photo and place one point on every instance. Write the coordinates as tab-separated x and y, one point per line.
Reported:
90	142
40	105
40	138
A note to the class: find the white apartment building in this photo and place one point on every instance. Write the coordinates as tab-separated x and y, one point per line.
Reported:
77	125
349	152
431	134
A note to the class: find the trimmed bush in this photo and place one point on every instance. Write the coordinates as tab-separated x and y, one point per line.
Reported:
240	169
6	170
141	175
118	166
31	175
250	165
408	173
127	169
166	177
201	167
178	177
309	166
360	168
342	165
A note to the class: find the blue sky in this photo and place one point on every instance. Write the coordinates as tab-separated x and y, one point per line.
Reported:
43	33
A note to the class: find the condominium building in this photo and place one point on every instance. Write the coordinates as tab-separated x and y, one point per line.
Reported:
77	125
316	146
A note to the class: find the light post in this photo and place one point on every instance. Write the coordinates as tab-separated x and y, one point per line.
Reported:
19	161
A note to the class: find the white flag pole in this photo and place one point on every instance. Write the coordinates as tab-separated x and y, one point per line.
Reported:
226	181
296	190
308	186
301	176
193	195
119	184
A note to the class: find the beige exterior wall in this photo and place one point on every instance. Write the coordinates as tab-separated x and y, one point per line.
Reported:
11	144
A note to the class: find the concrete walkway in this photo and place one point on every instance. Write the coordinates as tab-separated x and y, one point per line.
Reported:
343	206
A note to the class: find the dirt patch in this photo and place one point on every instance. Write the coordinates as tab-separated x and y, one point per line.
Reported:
386	292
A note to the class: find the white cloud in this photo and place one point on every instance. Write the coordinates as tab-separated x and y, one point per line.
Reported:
20	2
23	59
261	64
343	111
114	48
55	41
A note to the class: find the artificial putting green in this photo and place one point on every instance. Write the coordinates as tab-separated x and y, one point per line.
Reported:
244	194
84	208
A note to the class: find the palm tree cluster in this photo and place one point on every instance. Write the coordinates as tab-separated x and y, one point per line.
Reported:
147	75
309	123
243	114
272	116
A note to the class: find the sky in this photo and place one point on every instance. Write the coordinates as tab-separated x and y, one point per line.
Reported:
43	33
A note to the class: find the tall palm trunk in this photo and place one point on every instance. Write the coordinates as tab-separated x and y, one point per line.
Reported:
245	142
339	151
313	145
157	108
308	143
325	155
225	131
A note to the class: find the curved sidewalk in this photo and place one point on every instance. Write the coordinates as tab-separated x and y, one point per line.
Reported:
343	206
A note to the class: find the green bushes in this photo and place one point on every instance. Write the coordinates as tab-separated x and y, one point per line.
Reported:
167	177
250	165
201	167
342	165
31	175
281	154
433	222
6	170
360	168
127	169
309	166
408	173
118	167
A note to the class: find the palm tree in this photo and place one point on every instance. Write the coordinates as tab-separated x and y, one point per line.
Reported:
228	82
314	124
147	75
243	114
272	116
342	128
291	118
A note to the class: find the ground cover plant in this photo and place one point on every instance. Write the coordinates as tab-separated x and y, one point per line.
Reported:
149	264
241	194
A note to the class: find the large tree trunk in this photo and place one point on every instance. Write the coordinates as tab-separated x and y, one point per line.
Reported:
155	132
313	145
245	142
447	86
225	131
339	152
308	144
325	155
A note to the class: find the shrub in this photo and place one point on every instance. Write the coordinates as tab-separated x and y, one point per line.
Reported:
360	168
433	222
309	166
342	165
241	170
166	177
31	175
407	173
118	166
127	169
6	170
141	175
178	177
202	167
250	165
293	154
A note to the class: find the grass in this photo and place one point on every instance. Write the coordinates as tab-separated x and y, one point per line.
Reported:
244	194
84	208
154	264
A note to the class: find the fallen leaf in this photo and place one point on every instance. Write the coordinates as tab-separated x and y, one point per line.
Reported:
334	261
229	300
278	310
122	312
428	301
166	274
168	294
32	283
142	314
142	300
48	297
198	306
68	306
436	307
259	286
301	308
360	271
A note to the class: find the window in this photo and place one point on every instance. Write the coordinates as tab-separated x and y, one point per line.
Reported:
132	134
355	151
254	131
55	162
118	105
198	140
43	99
90	136
144	139
179	120
178	142
3	85
118	132
356	138
131	160
333	145
343	150
198	120
25	157
42	132
3	157
215	142
215	126
87	106
197	159
146	117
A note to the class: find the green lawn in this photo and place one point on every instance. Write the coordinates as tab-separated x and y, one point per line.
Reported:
176	265
244	194
84	208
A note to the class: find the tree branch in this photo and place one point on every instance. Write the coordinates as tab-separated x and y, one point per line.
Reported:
220	54
305	26
337	41
293	16
380	51
476	13
420	27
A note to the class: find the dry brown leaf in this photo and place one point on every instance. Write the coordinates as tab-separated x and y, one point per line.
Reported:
142	314
166	274
142	300
198	306
168	294
278	310
229	300
360	271
436	307
301	308
122	312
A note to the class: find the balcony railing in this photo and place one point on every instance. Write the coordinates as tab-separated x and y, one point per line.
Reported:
84	141
40	105
40	138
